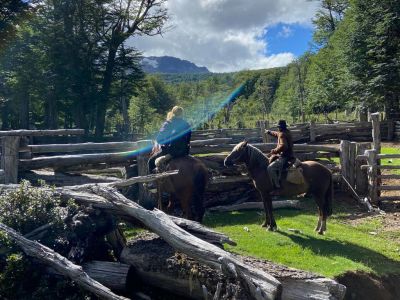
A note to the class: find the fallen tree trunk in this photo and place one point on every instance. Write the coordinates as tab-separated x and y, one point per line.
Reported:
261	284
113	275
60	264
99	202
256	205
157	264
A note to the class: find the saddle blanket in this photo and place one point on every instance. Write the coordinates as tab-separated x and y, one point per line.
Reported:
295	174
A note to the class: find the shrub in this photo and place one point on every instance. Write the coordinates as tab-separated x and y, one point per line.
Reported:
24	210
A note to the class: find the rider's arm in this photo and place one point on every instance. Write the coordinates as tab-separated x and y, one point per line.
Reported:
282	145
273	133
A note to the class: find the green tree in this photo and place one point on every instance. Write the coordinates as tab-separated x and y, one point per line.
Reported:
327	19
373	52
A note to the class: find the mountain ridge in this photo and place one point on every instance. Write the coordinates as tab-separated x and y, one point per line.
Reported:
170	65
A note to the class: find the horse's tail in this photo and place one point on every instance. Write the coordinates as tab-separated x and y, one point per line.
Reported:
329	198
200	181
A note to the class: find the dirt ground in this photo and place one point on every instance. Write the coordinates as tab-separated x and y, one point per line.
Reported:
365	286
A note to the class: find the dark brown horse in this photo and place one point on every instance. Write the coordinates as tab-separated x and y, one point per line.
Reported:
187	187
318	182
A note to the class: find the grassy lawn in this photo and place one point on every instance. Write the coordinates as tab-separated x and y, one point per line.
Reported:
362	245
392	161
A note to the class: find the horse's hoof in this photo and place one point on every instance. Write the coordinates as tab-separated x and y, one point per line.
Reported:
320	232
272	228
316	229
265	224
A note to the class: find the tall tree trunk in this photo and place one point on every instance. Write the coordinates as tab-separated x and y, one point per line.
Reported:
5	113
51	112
105	91
23	98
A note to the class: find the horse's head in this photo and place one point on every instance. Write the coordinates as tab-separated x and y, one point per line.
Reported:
237	155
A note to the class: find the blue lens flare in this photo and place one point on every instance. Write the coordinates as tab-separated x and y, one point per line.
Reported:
197	115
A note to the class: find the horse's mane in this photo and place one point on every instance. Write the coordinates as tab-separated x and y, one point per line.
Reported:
256	157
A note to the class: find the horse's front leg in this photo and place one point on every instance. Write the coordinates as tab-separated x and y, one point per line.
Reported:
269	217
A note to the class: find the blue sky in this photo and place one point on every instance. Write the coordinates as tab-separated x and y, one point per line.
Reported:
294	38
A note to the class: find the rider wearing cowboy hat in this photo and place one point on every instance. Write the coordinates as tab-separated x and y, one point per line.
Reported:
280	155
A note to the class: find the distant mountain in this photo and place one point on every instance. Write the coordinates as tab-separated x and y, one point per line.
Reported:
170	65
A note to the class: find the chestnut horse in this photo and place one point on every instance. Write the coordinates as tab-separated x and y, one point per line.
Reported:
318	182
187	186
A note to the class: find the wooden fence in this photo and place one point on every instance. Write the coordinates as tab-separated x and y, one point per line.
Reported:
20	156
374	167
396	130
307	132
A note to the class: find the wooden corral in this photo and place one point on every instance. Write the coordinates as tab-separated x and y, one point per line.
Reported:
23	158
374	167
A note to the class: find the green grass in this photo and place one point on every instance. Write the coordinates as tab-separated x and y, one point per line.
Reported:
392	161
344	247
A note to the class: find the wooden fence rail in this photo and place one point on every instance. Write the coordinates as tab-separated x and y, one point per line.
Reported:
374	167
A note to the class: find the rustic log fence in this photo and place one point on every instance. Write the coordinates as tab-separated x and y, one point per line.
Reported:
306	132
374	167
19	157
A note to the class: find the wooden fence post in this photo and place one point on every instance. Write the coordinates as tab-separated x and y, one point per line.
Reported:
262	129
144	148
9	158
352	164
372	175
312	132
376	132
390	124
361	174
344	160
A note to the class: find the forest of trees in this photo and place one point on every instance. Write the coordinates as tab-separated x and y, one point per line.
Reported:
66	64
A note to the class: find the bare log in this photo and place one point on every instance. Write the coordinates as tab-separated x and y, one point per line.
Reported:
2	176
113	275
204	252
202	232
9	158
25	132
60	264
215	141
256	205
61	161
61	179
145	178
63	148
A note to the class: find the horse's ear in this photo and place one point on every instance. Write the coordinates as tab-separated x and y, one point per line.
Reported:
244	143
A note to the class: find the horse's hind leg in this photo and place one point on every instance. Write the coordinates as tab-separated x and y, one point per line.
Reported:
317	228
323	225
185	198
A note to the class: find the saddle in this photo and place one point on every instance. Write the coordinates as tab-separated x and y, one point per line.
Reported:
295	173
291	170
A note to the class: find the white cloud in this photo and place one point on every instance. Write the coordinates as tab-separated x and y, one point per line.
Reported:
286	32
224	35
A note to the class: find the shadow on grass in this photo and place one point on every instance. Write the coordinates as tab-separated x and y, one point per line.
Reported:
251	217
379	263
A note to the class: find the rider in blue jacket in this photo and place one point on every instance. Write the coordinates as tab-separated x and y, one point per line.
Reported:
173	137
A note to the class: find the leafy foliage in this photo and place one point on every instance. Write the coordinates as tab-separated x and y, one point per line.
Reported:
24	210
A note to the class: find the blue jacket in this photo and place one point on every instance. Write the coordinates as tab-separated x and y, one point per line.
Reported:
174	137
